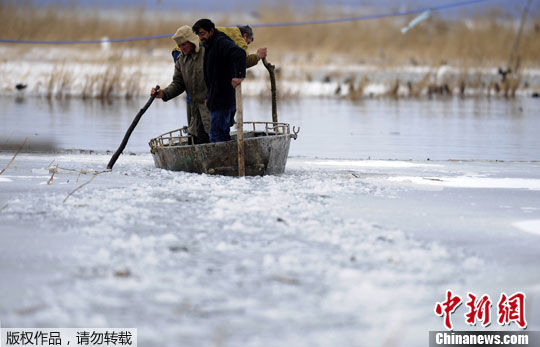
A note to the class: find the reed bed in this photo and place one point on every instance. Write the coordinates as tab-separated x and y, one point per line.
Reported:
480	40
468	43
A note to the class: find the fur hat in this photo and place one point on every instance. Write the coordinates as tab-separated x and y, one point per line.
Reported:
185	34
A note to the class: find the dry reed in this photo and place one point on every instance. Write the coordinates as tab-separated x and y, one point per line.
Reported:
483	40
12	159
54	171
109	81
132	84
59	82
85	183
480	41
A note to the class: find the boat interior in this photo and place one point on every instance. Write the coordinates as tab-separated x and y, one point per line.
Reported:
181	137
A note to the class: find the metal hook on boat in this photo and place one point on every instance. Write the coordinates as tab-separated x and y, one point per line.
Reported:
295	132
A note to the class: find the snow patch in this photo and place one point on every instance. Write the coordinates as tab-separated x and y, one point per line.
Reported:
530	226
368	163
471	182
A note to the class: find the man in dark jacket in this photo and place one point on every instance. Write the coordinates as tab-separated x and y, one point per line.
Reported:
224	69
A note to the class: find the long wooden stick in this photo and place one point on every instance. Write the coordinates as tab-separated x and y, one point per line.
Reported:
130	130
271	69
8	164
240	131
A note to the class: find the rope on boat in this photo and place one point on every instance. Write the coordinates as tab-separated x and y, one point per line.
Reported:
280	24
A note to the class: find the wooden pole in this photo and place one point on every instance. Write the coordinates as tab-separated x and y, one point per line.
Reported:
271	69
240	131
130	130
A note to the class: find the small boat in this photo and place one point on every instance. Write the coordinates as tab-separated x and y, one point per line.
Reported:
266	148
261	150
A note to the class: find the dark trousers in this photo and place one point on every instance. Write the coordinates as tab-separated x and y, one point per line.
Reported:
202	137
195	116
220	123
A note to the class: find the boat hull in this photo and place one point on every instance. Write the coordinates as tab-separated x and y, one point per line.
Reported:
264	155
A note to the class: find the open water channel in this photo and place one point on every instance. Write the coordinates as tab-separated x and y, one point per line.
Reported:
495	129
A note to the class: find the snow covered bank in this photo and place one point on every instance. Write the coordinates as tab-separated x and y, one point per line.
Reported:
62	72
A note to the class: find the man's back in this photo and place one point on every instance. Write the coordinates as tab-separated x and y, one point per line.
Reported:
223	61
235	34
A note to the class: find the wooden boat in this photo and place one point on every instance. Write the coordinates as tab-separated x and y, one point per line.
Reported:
266	147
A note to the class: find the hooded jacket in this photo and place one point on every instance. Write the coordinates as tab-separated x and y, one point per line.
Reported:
189	76
223	61
236	35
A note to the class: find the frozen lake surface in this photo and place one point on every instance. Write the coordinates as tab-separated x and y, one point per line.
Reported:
338	251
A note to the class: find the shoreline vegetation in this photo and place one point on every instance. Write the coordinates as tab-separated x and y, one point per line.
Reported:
440	56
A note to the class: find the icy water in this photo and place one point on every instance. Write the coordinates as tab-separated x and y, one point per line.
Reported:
338	251
495	129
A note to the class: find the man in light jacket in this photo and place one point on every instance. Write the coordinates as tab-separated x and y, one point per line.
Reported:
189	76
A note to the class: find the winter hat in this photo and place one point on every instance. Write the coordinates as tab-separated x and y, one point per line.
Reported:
185	34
